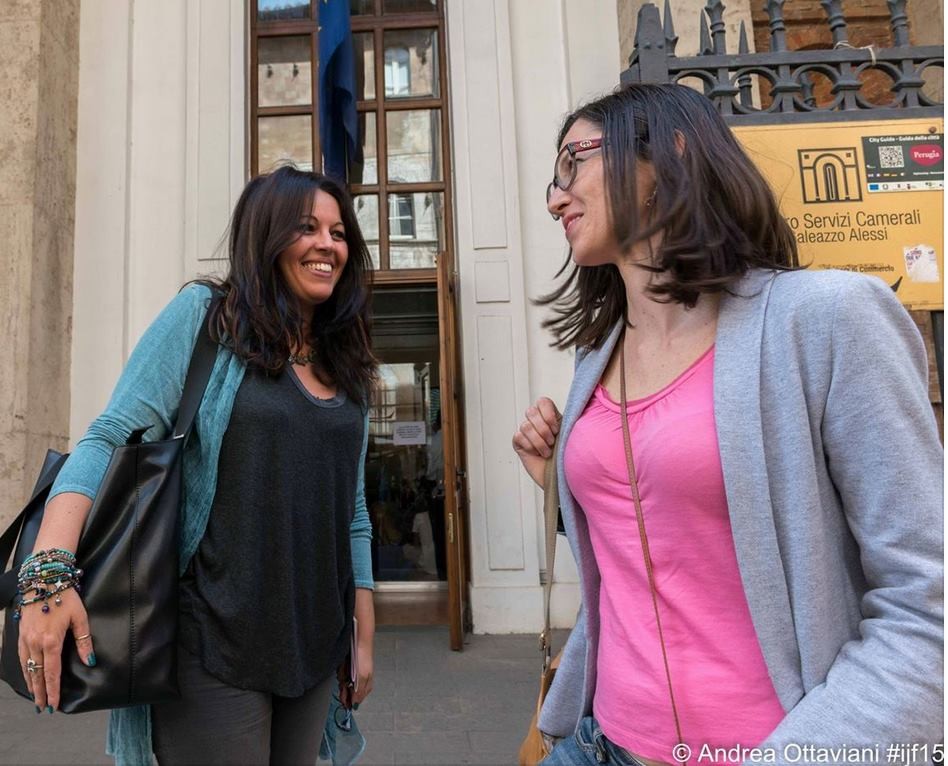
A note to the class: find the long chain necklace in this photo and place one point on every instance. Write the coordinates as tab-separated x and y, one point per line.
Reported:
310	357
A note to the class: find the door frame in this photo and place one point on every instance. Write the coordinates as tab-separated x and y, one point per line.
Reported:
455	475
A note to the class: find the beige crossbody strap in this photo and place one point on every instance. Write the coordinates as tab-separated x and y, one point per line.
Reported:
551	509
633	482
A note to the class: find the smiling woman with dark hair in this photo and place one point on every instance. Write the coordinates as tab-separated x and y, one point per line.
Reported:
750	473
274	542
261	318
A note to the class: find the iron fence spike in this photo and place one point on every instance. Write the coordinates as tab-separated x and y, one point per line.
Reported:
837	20
649	56
778	30
899	21
746	93
704	48
715	11
671	39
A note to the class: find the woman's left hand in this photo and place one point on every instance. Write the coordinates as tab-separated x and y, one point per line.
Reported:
366	672
365	642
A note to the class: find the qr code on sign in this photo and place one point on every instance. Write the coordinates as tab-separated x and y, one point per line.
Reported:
891	157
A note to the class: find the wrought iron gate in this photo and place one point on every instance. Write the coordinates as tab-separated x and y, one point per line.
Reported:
727	78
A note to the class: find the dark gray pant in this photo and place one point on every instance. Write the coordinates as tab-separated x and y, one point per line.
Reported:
214	723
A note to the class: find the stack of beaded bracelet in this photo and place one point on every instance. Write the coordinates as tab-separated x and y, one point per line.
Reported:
46	574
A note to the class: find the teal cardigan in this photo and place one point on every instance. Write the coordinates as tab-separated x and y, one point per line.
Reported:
148	393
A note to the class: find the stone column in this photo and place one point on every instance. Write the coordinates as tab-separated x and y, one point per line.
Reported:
39	56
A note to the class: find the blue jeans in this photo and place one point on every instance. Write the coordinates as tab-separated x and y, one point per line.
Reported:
588	747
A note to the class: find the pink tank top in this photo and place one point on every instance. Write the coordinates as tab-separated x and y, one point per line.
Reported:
722	689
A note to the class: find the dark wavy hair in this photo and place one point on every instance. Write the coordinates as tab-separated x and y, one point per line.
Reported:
259	319
717	214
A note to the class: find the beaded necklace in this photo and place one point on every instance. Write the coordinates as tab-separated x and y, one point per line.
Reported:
310	357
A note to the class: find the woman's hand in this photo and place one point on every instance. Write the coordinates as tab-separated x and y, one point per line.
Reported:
533	441
366	672
41	640
365	643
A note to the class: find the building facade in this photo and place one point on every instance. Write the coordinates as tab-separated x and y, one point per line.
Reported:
134	124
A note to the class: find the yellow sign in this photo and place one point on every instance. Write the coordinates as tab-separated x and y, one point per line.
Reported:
862	196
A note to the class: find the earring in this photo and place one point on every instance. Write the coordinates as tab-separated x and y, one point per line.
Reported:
651	198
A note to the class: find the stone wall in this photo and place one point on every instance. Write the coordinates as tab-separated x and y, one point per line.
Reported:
39	55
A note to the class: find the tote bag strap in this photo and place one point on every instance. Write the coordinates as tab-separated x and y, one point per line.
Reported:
551	506
199	372
646	553
54	462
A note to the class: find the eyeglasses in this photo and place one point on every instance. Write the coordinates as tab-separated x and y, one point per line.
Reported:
564	169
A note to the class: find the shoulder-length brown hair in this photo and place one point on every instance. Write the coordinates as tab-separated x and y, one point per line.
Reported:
717	214
259	318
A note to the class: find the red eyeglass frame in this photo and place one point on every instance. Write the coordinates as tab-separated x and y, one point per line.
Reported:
573	147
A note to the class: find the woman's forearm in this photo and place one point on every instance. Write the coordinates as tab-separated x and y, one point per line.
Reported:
365	614
63	520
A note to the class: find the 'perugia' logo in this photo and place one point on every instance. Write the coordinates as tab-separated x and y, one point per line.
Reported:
926	154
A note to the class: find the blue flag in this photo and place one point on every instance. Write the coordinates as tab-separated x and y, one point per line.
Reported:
338	119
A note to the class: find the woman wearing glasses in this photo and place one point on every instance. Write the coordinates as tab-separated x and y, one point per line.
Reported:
765	568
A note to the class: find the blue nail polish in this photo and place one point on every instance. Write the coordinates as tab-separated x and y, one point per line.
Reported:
90	660
37	709
32	697
49	709
355	706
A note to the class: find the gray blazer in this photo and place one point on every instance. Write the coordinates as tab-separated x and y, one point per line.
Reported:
833	473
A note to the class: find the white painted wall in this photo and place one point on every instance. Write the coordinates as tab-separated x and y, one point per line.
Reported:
516	68
160	161
162	158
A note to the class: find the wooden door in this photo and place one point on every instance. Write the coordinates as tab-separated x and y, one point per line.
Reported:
455	493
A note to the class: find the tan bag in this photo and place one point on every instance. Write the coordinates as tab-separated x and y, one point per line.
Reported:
534	747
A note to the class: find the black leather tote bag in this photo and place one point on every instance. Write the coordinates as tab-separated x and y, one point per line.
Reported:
129	554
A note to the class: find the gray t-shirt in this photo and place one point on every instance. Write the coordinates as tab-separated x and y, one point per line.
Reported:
268	598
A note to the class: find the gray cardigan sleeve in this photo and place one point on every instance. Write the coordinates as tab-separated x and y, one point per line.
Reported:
885	459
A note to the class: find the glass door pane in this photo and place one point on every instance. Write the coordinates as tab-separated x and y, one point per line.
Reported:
411	63
414	145
416	229
284	76
404	473
367	213
363	46
361	7
409	6
285	139
282	10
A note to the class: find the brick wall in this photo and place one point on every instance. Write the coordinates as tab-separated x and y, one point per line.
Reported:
807	29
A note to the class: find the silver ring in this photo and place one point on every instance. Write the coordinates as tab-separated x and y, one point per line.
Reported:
32	666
